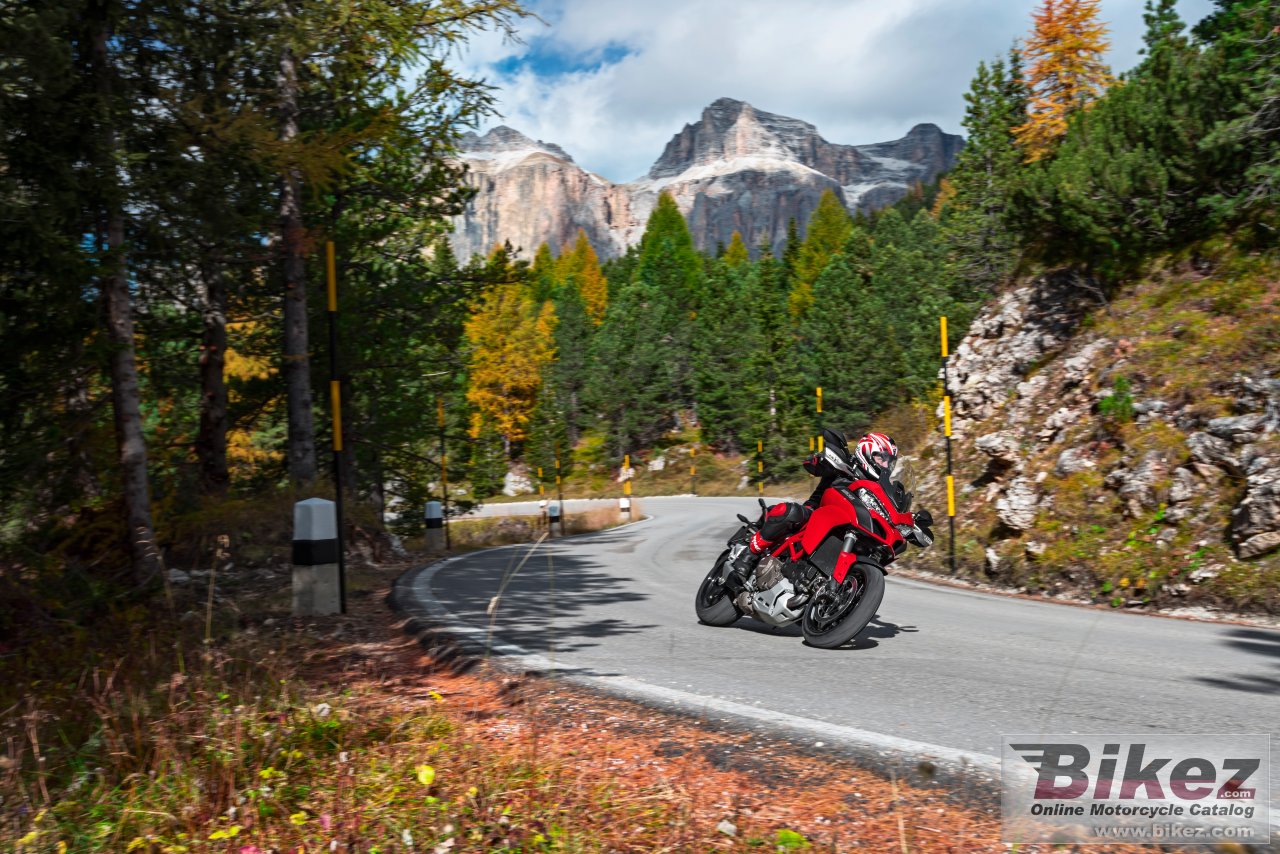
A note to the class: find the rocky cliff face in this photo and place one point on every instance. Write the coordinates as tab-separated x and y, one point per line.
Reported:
1126	454
735	169
529	192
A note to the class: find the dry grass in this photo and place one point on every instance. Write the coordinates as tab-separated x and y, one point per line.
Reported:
344	735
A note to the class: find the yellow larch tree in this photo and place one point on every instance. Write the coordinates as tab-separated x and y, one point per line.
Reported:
828	229
248	448
510	335
1064	70
737	254
580	265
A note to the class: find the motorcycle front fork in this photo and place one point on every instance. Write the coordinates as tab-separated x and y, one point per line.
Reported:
728	577
845	561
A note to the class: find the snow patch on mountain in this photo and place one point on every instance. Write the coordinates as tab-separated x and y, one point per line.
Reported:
724	166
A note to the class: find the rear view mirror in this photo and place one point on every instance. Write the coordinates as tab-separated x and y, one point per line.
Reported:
832	439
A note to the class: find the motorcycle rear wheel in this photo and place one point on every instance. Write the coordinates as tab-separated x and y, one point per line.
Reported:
712	602
828	623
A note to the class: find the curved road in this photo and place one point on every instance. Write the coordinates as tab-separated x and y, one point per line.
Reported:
945	667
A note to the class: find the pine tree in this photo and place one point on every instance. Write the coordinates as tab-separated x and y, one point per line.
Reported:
1245	54
859	381
645	345
568	376
487	467
51	388
980	228
635	384
825	235
781	406
546	278
667	234
548	435
912	285
791	248
644	348
728	388
101	54
1127	179
1065	71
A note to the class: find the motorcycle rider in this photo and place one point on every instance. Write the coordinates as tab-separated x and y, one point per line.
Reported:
875	454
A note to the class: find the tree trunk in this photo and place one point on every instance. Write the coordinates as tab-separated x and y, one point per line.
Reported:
297	367
374	473
118	312
125	396
211	441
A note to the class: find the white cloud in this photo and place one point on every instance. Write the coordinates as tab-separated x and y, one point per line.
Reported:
861	70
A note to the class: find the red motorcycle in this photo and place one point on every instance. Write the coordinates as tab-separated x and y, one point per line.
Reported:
829	575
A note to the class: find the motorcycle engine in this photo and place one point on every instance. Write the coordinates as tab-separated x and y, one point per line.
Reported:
772	590
768	572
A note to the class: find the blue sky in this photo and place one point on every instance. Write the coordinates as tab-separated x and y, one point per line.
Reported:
612	80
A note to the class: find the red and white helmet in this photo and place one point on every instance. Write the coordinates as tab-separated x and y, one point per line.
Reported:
876	453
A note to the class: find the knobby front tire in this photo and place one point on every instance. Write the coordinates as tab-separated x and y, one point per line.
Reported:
712	603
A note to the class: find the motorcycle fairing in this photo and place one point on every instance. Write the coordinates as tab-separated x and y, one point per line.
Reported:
840	508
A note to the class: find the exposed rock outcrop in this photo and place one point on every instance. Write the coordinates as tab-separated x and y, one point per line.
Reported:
1017	508
1001	447
737	168
1072	460
1206	448
1255	524
1095	453
1139	487
1010	336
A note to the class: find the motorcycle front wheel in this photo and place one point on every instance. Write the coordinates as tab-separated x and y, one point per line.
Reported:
836	613
713	603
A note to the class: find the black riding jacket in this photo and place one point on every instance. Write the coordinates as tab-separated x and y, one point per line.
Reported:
818	466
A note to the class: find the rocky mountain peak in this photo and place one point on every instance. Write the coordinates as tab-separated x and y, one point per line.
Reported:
730	129
737	168
925	144
506	140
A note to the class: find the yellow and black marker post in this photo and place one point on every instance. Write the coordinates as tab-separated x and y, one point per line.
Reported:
946	432
444	469
626	484
693	470
335	403
760	466
560	489
818	408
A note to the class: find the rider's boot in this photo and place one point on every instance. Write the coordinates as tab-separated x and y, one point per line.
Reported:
746	562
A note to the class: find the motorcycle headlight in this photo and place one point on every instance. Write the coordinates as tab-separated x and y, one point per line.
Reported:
872	503
905	530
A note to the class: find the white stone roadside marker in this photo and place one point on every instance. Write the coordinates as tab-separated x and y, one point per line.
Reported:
315	559
434	517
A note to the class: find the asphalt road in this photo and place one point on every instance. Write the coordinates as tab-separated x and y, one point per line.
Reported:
938	665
